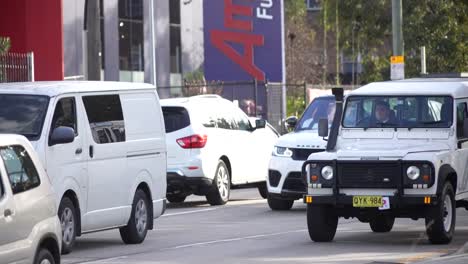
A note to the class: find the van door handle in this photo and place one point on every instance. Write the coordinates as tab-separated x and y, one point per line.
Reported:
78	151
91	151
7	213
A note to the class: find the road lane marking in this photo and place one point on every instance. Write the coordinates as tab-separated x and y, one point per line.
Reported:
235	239
190	212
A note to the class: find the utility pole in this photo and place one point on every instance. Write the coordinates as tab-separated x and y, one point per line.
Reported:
397	22
93	27
397	61
325	56
337	45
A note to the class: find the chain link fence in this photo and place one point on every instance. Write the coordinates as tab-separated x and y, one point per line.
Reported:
16	67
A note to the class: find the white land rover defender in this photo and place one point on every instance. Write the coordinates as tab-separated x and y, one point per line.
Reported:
395	149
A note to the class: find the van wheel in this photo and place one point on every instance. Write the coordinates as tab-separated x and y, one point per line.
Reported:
279	204
263	190
440	221
382	223
67	216
220	191
44	257
321	223
137	227
176	198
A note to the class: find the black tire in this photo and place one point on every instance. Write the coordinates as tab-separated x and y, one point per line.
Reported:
44	254
263	190
279	204
435	228
321	223
176	198
67	215
382	223
137	227
221	189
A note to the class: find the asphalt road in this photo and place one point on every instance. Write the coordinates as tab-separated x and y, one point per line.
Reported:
247	231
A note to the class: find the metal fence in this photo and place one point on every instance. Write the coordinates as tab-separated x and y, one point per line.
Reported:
17	67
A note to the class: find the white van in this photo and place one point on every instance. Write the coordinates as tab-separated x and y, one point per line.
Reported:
29	227
103	146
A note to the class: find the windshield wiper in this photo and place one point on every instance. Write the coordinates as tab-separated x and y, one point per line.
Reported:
431	122
386	124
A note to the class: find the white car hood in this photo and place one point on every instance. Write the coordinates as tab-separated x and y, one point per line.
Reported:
388	148
302	139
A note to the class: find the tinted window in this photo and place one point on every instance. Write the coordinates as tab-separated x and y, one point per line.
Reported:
22	114
241	121
175	118
21	171
398	111
105	118
320	108
65	115
461	115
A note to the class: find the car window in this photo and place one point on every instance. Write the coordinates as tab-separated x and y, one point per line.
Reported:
461	115
398	111
21	171
65	115
241	120
320	108
224	118
23	114
175	118
2	190
105	118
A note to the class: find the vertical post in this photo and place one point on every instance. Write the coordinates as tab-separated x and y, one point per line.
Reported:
325	57
31	66
397	19
255	96
423	60
306	102
94	40
337	45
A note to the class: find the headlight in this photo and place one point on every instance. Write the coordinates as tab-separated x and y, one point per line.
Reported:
282	152
327	173
413	172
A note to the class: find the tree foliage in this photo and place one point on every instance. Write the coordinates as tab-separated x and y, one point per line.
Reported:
440	26
4	45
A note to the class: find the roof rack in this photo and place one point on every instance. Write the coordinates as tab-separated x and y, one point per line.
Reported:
445	75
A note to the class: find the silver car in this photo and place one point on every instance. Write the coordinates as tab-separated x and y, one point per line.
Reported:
29	227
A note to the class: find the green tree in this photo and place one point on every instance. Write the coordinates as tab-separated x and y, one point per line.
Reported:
4	45
441	26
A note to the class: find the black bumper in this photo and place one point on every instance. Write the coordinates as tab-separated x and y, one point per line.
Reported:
395	201
188	185
288	195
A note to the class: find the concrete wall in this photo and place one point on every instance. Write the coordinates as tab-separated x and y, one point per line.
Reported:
192	35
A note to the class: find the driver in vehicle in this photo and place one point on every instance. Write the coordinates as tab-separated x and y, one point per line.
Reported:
383	113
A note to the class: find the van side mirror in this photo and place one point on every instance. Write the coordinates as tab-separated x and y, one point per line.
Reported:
323	128
62	135
291	122
260	123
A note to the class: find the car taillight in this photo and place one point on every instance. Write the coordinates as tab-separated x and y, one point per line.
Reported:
194	141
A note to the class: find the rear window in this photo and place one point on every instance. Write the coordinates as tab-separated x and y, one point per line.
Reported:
175	118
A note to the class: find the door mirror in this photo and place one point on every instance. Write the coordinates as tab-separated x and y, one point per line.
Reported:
323	128
260	123
62	135
291	122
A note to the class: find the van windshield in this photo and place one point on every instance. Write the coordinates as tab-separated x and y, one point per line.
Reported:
22	114
320	108
398	111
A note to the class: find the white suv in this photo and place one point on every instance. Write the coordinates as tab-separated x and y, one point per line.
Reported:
212	145
397	150
285	182
29	227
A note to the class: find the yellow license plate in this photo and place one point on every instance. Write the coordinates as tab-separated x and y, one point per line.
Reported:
367	201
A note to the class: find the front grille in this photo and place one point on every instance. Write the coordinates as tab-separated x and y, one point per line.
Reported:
295	182
274	177
368	175
303	154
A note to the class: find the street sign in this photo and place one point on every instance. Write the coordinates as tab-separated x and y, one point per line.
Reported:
397	68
